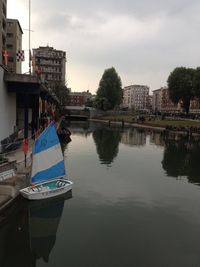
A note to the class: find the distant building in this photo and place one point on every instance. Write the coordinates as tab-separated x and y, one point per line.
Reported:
162	101
135	96
194	105
78	98
13	44
157	98
3	13
50	65
149	102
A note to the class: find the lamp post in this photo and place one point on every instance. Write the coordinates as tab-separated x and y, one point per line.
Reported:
30	37
26	97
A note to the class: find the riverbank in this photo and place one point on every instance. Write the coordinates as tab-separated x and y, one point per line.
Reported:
185	127
127	124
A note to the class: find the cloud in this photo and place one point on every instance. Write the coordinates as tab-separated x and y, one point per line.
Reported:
144	40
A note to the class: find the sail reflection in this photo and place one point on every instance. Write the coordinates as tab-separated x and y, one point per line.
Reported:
32	234
43	225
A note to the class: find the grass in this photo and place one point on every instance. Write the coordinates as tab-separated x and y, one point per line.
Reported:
157	122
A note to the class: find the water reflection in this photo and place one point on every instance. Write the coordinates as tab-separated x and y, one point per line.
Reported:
82	128
134	137
14	238
107	144
31	235
44	219
181	158
157	138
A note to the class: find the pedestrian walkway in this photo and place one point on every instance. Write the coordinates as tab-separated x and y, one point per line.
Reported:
9	188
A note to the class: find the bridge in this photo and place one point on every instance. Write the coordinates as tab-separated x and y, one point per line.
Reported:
76	117
76	113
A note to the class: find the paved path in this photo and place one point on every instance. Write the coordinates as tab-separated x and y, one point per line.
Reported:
9	188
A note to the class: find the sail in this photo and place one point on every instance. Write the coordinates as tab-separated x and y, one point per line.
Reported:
48	162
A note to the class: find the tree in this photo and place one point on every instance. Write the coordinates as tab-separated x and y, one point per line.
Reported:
61	91
110	88
180	84
102	103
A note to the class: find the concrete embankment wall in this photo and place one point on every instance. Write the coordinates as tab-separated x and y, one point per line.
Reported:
7	109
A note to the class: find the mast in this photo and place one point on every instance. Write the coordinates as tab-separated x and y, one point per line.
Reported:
29	31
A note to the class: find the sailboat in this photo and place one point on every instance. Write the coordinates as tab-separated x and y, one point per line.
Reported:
48	177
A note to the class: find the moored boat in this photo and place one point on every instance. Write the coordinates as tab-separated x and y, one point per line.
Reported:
48	178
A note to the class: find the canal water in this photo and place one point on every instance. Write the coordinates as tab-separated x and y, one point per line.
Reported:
135	203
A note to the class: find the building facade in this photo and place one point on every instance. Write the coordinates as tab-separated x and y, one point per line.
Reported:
157	98
162	101
78	98
50	65
7	109
3	14
136	96
13	44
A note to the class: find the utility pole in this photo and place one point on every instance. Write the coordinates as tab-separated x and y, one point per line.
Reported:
29	31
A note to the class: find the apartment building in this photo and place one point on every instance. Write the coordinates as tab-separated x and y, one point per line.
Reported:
136	96
13	44
50	65
3	13
162	101
149	102
78	98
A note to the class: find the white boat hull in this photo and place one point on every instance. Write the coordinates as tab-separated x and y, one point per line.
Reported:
48	189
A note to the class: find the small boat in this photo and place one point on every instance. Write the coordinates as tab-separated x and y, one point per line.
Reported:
64	134
48	177
64	137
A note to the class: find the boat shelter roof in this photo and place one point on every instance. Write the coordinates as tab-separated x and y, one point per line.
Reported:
23	83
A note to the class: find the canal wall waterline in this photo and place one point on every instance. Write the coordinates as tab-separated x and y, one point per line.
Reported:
163	129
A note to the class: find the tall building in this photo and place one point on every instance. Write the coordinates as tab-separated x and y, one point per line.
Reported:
49	64
135	96
3	13
13	44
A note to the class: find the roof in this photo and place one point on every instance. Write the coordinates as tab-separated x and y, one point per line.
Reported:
16	21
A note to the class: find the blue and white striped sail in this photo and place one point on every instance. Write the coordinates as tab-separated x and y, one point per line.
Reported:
48	162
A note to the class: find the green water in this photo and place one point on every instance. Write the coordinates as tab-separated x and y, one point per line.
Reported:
135	203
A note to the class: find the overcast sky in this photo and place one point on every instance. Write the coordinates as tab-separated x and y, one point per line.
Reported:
144	40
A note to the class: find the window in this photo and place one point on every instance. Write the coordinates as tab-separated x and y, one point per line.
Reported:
9	46
10	24
10	59
9	35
